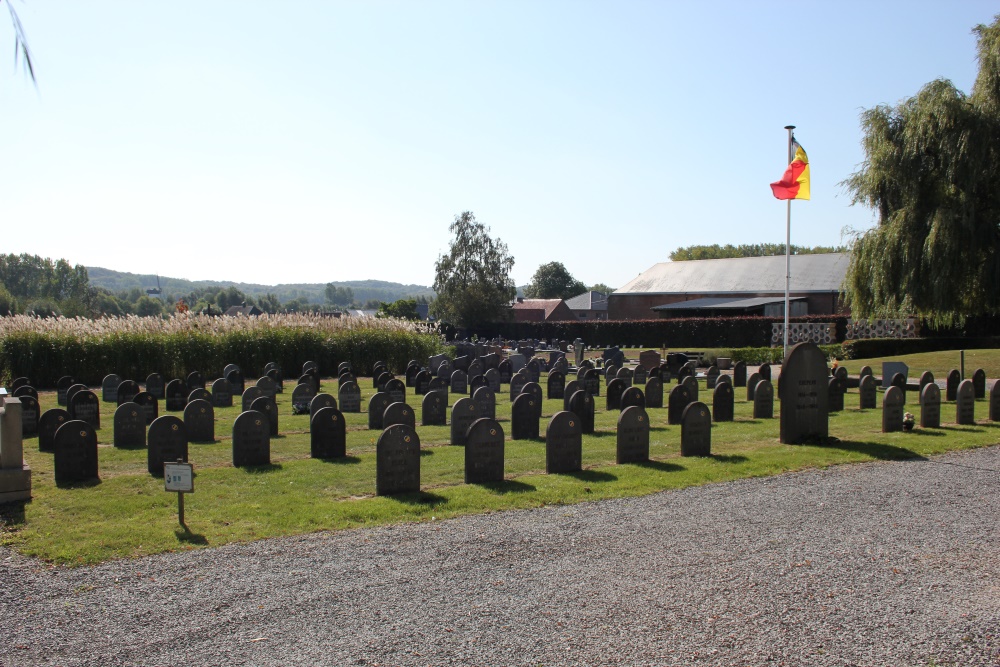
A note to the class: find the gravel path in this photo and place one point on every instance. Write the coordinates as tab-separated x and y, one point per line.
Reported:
878	564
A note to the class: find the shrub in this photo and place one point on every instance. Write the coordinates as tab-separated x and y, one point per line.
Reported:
891	347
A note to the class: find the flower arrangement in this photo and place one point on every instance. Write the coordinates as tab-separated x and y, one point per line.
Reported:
909	421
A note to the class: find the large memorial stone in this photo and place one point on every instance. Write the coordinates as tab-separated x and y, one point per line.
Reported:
930	406
965	403
524	417
763	400
723	399
563	444
199	421
349	397
654	393
266	406
867	393
979	382
75	447
484	452
397	461
517	362
581	403
328	434
890	368
463	413
85	406
555	385
30	414
376	410
167	442
435	361
892	410
649	359
129	426
951	384
696	429
632	435
176	396
251	440
433	409
320	401
740	374
680	398
109	388
486	402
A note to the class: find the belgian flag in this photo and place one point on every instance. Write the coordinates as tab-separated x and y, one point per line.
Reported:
795	183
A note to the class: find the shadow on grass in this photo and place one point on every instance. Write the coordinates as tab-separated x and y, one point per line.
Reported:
12	514
426	452
260	470
662	466
204	442
191	538
928	431
82	484
963	429
419	498
593	476
875	450
507	486
729	458
343	460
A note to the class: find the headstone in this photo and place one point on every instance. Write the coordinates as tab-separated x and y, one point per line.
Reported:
517	362
484	452
222	393
376	409
711	377
764	371
979	383
740	374
399	413
129	426
592	382
273	366
397	461
534	390
251	440
75	447
199	420
563	444
649	359
633	435
867	393
506	371
555	385
267	407
448	367
752	381
926	378
477	382
625	374
890	368
277	378
62	386
579	347
930	406
422	381
396	389
199	395
486	402
25	390
836	388
654	393
309	379
723	399
995	402
517	385
581	403
85	406
435	361
568	391
30	414
475	368
639	376
19	382
560	365
763	400
696	429
237	384
150	406
349	397
460	382
195	380
127	391
309	365
327	433
411	374
267	386
951	384
680	398
167	442
344	367
632	397
320	401
48	424
899	380
524	416
250	394
176	396
228	368
841	372
433	409
865	370
614	390
610	373
109	388
492	376
892	410
70	393
692	384
379	380
463	413
965	403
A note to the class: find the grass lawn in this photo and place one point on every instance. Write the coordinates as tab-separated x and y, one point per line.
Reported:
128	513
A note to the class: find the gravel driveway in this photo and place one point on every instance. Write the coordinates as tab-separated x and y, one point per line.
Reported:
893	563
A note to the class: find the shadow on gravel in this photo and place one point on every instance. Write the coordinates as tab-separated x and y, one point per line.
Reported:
420	498
343	460
729	458
593	476
662	466
508	486
876	450
189	537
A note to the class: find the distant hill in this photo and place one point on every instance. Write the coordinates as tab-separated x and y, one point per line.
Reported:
364	290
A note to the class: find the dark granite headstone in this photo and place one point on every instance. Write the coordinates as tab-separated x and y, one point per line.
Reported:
397	461
150	406
626	375
199	420
30	414
555	385
228	368
19	382
396	389
754	379
379	381
463	413
867	393
176	396
711	377
62	386
764	371
892	410
517	385
48	424
899	380
109	388
723	399
411	374
930	406
250	394
75	447
889	370
568	391
344	366
632	397
435	361
267	386
763	400
692	384
194	380
841	372
475	368
127	391
222	393
506	371
167	442
266	406
70	393
926	378
320	401
492	376
376	409
237	384
654	393
865	370
327	434
836	388
130	426
439	384
309	365
965	403
524	416
446	368
484	452
979	383
345	377
309	379
460	382
85	406
592	382
639	376
633	435
563	443
486	402
349	397
740	374
433	409
995	402
399	413
199	394
251	440
25	390
614	390
581	403
696	429
680	398
610	373
278	378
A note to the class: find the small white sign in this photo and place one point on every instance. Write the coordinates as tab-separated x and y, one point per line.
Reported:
179	477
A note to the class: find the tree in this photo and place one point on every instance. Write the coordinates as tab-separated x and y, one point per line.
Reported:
20	43
602	288
553	281
405	309
473	280
716	251
931	173
339	296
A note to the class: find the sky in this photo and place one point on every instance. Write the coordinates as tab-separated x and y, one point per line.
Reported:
318	141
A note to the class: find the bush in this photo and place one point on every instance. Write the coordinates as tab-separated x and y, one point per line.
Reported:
891	347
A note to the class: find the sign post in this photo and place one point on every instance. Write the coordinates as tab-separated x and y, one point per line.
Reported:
179	477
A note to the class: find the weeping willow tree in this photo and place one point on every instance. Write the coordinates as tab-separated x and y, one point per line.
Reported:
932	175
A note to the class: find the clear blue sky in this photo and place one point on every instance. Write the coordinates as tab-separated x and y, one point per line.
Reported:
287	142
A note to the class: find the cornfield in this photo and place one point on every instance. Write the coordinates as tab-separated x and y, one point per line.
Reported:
45	349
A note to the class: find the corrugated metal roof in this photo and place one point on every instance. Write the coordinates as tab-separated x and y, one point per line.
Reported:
724	302
810	273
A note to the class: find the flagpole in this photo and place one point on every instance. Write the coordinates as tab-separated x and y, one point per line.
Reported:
788	245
